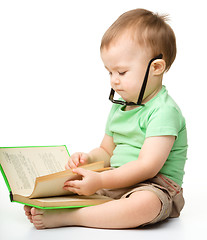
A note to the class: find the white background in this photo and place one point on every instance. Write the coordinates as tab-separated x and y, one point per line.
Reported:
54	90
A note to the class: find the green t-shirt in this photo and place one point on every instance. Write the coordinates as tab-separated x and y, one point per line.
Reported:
160	116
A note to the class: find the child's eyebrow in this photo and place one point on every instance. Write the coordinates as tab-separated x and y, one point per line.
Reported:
117	67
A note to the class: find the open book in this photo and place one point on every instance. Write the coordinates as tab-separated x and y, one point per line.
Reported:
35	176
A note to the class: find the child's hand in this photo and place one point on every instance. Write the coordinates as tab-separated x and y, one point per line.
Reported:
90	183
76	159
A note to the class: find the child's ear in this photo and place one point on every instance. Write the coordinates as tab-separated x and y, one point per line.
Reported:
158	66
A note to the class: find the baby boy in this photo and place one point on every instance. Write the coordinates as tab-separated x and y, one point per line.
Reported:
145	140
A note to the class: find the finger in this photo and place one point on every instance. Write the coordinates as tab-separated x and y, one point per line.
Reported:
67	166
79	192
71	189
80	171
74	190
76	159
83	158
72	164
74	183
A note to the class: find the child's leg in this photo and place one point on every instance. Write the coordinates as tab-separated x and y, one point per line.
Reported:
141	207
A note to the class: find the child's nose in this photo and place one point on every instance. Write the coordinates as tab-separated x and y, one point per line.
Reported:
115	80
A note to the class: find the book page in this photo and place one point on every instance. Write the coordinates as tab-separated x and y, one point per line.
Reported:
43	184
22	165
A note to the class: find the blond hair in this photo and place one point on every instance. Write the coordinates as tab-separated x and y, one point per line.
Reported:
147	29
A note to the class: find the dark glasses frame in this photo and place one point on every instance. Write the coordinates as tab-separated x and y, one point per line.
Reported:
141	94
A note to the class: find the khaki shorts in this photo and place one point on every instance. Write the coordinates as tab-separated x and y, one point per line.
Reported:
169	193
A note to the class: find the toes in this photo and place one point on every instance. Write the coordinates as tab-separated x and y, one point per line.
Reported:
30	218
36	211
27	208
35	216
37	220
27	214
39	226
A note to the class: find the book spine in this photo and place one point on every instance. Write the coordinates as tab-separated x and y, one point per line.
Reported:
11	196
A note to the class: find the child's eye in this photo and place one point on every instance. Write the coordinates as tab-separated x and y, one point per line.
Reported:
122	73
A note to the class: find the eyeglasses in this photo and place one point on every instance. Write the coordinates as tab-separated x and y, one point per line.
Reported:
141	94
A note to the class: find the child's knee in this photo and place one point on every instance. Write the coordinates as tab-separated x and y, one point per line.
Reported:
146	203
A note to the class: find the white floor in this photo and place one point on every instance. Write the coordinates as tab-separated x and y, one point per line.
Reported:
37	50
192	223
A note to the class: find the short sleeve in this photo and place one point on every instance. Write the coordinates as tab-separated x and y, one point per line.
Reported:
164	121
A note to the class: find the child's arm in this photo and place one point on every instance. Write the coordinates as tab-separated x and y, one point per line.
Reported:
103	153
152	157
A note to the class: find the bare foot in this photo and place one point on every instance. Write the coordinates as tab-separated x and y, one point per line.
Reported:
27	210
49	218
